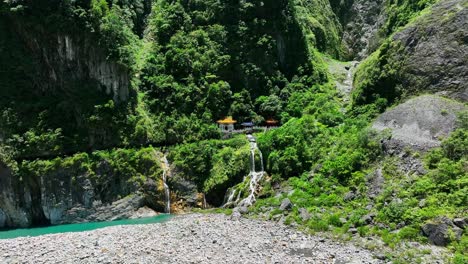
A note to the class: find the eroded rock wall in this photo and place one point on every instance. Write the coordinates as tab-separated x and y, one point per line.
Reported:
64	59
71	192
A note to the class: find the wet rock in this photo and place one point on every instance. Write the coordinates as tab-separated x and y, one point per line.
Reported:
439	232
286	205
144	212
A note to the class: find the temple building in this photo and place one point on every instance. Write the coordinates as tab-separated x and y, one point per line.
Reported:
227	124
272	123
248	127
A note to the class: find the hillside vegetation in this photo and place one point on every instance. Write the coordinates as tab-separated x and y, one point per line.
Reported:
95	92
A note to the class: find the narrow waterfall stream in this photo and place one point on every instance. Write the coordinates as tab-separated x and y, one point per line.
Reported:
255	177
166	167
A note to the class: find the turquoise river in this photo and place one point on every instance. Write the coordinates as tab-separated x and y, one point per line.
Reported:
39	231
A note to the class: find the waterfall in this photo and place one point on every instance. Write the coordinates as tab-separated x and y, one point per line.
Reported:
166	167
230	197
254	176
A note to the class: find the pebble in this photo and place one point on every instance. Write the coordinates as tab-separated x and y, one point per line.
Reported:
206	238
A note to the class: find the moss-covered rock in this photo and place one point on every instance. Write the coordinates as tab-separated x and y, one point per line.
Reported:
427	56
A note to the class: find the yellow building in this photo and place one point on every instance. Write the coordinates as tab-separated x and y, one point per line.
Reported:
227	124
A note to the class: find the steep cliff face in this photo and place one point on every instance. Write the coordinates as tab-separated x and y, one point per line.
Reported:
428	55
98	187
361	24
55	77
65	60
435	51
11	213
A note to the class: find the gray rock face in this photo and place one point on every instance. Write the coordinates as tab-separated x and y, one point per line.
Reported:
286	205
435	57
439	232
66	59
2	219
66	196
419	123
361	27
186	190
11	214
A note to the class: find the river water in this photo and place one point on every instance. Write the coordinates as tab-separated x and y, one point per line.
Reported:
39	231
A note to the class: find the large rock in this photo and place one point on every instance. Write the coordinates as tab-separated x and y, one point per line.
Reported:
442	231
286	205
420	123
435	51
461	222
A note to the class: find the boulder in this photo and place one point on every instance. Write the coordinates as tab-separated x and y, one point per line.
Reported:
243	209
143	212
442	231
419	123
460	222
236	215
304	214
353	230
367	219
286	205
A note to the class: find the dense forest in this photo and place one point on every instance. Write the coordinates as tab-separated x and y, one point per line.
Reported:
98	90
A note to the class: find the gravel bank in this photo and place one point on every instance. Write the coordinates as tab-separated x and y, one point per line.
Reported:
193	238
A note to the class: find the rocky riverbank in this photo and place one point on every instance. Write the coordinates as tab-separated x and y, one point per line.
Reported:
191	238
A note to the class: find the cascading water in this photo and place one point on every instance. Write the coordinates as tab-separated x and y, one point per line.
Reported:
255	177
166	167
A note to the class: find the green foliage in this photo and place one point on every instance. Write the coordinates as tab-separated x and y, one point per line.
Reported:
210	59
377	78
301	143
115	173
213	165
320	25
400	12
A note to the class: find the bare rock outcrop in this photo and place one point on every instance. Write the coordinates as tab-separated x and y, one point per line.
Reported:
420	123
